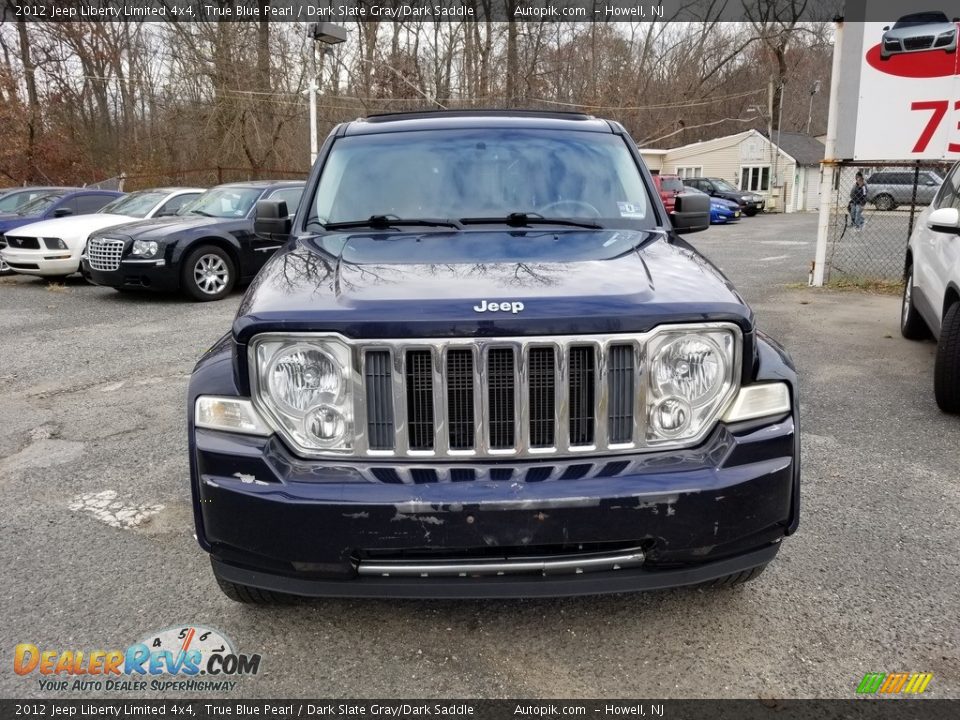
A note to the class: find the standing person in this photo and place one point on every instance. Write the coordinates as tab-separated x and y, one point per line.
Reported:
858	199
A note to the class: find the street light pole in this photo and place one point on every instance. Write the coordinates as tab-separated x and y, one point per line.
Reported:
813	91
313	103
329	34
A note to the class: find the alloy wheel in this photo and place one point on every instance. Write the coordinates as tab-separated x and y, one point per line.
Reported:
211	274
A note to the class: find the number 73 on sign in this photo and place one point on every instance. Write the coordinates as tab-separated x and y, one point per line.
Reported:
938	111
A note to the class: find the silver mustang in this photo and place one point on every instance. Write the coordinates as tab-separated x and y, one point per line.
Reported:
919	32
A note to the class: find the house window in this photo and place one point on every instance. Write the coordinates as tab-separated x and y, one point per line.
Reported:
689	172
755	178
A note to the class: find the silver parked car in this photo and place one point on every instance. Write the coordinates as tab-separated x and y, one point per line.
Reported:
888	188
919	32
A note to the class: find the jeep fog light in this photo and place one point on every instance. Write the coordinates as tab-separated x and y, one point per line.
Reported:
229	414
671	416
756	401
325	423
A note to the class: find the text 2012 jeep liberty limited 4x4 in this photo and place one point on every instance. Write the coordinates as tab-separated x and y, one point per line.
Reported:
486	364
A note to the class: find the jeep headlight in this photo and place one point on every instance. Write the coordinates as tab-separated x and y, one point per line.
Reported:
303	386
692	376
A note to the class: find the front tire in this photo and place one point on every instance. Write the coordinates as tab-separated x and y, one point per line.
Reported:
946	370
912	324
884	202
209	273
750	212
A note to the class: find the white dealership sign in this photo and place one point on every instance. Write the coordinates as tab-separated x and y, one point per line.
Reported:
899	86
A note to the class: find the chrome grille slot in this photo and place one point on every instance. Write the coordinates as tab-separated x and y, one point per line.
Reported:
460	399
419	378
620	374
542	383
104	253
500	384
379	387
582	393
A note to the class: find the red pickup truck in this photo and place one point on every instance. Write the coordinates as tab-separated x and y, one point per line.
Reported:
669	186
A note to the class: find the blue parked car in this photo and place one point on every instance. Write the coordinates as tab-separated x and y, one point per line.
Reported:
723	211
12	199
59	202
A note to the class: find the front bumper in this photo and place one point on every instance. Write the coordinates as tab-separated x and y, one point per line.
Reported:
275	521
41	262
137	274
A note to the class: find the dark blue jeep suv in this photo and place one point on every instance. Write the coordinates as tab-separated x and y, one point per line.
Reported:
487	365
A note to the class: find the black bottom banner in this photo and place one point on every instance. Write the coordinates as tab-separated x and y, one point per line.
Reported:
867	709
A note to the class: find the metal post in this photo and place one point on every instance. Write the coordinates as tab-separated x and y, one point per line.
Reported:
913	199
313	101
829	163
776	161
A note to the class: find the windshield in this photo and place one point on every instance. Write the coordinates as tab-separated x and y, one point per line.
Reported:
136	204
724	186
11	202
920	19
224	202
38	205
488	173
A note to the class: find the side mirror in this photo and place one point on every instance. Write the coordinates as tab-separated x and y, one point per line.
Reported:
62	212
272	218
945	220
886	28
691	213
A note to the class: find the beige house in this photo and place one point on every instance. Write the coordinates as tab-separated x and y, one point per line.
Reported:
789	177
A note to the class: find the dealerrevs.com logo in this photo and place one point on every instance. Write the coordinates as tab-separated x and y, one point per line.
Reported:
184	658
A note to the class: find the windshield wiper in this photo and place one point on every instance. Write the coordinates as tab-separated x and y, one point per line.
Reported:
520	219
201	212
382	222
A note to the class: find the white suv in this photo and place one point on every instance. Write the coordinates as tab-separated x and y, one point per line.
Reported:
931	293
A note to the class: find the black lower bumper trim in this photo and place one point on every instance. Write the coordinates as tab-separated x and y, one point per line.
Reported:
618	581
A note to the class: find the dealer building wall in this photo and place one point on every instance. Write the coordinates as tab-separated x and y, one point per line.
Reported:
745	161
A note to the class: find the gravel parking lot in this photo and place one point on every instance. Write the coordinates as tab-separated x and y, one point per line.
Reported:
98	548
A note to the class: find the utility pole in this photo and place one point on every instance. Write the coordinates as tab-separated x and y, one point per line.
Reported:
828	168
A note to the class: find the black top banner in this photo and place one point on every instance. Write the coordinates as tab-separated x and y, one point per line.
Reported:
346	11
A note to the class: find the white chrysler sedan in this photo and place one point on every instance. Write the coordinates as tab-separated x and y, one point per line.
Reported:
52	248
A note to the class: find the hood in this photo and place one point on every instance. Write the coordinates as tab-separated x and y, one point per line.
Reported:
443	284
160	228
72	227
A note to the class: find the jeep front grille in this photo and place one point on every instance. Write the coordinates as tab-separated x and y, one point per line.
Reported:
104	253
490	397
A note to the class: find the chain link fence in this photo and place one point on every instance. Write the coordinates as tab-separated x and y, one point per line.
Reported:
895	195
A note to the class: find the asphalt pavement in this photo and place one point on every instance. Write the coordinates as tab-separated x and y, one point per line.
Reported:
98	551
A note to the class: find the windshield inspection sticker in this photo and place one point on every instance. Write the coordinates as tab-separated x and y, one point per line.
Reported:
631	210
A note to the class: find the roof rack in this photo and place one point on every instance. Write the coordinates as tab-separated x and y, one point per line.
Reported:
422	114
